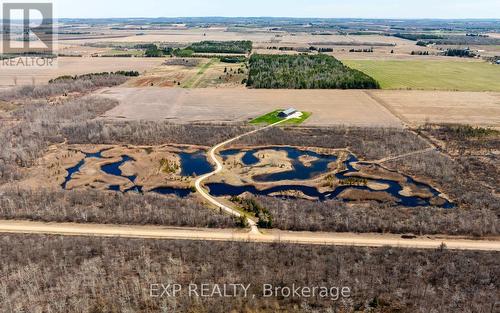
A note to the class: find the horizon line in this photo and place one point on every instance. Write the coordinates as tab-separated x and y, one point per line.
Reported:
292	17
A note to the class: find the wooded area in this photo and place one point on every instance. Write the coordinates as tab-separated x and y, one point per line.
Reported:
101	207
236	47
305	72
102	275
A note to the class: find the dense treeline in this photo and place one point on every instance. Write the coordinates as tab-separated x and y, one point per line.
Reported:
236	47
39	126
43	273
337	216
39	120
416	37
149	133
369	50
463	53
153	51
466	138
461	40
366	143
63	86
92	206
420	53
475	148
305	72
460	179
91	76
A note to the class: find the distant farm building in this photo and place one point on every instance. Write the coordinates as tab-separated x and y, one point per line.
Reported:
287	113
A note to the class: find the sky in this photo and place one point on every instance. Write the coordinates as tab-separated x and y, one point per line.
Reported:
449	9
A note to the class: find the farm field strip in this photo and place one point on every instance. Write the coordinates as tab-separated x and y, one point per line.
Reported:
193	81
431	74
236	105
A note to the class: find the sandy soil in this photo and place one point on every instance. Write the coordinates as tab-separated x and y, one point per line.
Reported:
74	66
419	107
148	164
329	107
156	232
379	108
363	195
376	172
184	36
217	74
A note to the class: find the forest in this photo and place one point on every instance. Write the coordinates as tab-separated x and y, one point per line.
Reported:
64	85
101	207
462	40
337	216
305	72
416	37
236	47
102	275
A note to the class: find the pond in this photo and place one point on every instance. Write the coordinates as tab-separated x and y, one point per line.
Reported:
318	167
300	171
194	163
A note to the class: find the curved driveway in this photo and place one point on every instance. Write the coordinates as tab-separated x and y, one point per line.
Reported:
212	154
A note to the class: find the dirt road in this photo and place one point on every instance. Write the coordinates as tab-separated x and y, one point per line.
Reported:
218	169
156	232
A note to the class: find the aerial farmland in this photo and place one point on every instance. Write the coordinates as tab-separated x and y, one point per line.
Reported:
197	146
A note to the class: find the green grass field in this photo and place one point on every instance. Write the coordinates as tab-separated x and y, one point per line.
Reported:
195	80
137	53
271	118
432	74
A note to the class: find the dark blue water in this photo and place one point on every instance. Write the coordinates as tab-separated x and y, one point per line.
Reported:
173	191
75	169
248	158
71	171
114	188
114	168
301	172
394	187
221	189
195	164
96	155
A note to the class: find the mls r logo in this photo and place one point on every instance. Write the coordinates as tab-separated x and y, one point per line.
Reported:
19	25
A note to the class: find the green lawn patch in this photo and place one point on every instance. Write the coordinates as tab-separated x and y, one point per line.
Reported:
271	118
